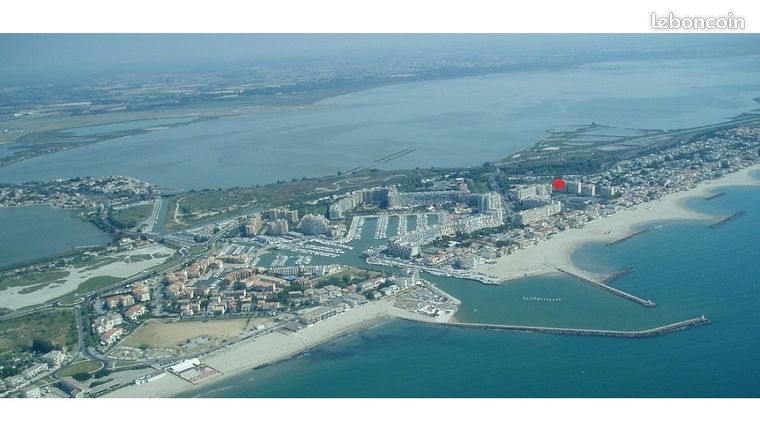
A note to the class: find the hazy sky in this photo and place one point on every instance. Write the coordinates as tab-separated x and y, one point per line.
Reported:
29	58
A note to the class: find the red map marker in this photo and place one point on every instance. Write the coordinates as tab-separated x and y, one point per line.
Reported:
558	184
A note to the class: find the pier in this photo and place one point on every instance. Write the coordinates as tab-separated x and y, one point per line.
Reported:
401	228
381	231
723	193
422	221
652	332
355	229
645	302
627	237
730	218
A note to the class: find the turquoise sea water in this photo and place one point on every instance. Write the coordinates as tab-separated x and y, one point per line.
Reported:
686	267
32	232
449	123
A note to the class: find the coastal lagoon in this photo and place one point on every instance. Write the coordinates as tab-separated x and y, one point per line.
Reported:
448	123
32	232
686	267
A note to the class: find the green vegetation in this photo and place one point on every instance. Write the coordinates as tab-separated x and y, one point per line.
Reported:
138	258
130	217
42	346
86	367
198	206
196	249
81	376
586	150
31	279
93	262
93	284
346	277
32	289
41	329
70	301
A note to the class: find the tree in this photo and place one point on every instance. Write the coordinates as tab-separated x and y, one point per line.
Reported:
42	346
81	376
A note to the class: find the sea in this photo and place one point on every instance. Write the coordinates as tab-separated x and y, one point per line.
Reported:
686	267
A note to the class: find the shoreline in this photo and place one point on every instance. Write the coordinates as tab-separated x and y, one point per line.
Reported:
548	255
541	259
271	348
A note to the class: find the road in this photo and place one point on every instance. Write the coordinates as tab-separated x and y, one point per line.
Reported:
148	224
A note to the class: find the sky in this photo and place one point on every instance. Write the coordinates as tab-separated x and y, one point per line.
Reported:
40	57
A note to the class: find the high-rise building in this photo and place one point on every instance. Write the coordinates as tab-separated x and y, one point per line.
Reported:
466	261
277	227
313	225
403	249
608	191
254	225
573	187
523	193
291	215
540	200
544	189
537	214
417	198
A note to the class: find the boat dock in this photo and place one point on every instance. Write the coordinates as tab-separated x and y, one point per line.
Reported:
725	220
652	332
645	302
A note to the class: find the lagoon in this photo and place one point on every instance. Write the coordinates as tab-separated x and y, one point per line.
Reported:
33	232
449	123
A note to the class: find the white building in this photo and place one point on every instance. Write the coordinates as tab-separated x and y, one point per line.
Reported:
55	358
537	214
313	225
34	370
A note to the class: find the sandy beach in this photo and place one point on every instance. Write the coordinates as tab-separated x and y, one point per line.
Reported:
557	251
272	347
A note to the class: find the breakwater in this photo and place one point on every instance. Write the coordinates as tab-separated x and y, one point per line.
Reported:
652	332
645	302
627	237
725	220
722	193
617	275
